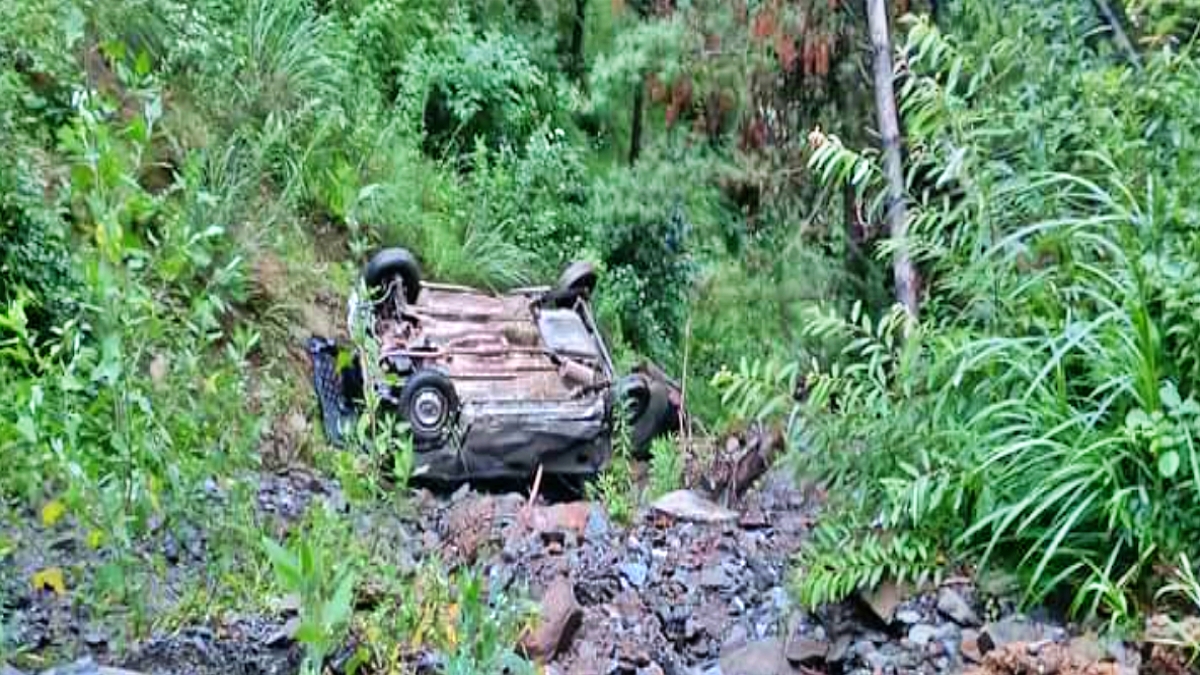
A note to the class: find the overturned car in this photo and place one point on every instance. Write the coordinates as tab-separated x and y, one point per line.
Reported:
491	386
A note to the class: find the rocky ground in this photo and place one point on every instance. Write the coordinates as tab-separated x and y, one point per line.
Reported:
690	587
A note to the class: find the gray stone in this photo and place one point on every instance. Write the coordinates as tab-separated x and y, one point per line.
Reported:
95	637
1087	647
596	526
86	666
6	669
921	634
1007	631
840	649
737	637
635	572
689	506
806	650
952	604
285	635
714	577
948	632
908	617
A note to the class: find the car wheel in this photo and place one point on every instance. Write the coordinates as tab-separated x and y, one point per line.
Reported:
649	408
390	264
430	405
578	279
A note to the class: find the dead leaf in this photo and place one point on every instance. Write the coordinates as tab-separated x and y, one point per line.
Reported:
50	578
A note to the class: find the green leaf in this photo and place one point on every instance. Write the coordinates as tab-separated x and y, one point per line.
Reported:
337	610
1169	395
27	428
309	633
1168	463
1136	418
142	65
287	567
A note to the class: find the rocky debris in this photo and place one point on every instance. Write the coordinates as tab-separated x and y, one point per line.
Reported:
689	506
689	588
239	645
468	525
569	517
560	618
288	492
87	666
1050	658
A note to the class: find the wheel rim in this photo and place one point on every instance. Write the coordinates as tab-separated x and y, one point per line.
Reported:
636	402
429	410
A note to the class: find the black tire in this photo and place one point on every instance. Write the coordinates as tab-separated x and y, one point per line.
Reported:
430	404
578	279
390	263
649	410
334	392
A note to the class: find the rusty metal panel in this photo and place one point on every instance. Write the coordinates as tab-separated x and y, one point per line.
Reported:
498	348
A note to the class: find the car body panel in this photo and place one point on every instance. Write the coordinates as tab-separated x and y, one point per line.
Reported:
533	381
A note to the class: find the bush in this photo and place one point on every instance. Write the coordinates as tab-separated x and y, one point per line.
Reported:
34	256
462	87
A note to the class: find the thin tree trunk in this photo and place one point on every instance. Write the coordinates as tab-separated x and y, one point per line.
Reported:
577	26
889	131
1118	33
635	134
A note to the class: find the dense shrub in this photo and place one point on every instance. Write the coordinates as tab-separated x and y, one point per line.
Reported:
34	255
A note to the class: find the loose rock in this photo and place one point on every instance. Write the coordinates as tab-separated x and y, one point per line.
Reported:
883	600
806	650
970	646
757	658
560	618
921	634
1009	631
689	506
952	604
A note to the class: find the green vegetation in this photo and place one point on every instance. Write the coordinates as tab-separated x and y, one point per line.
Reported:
1041	415
190	188
666	466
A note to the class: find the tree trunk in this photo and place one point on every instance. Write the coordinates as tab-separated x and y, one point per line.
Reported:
889	132
577	25
635	133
